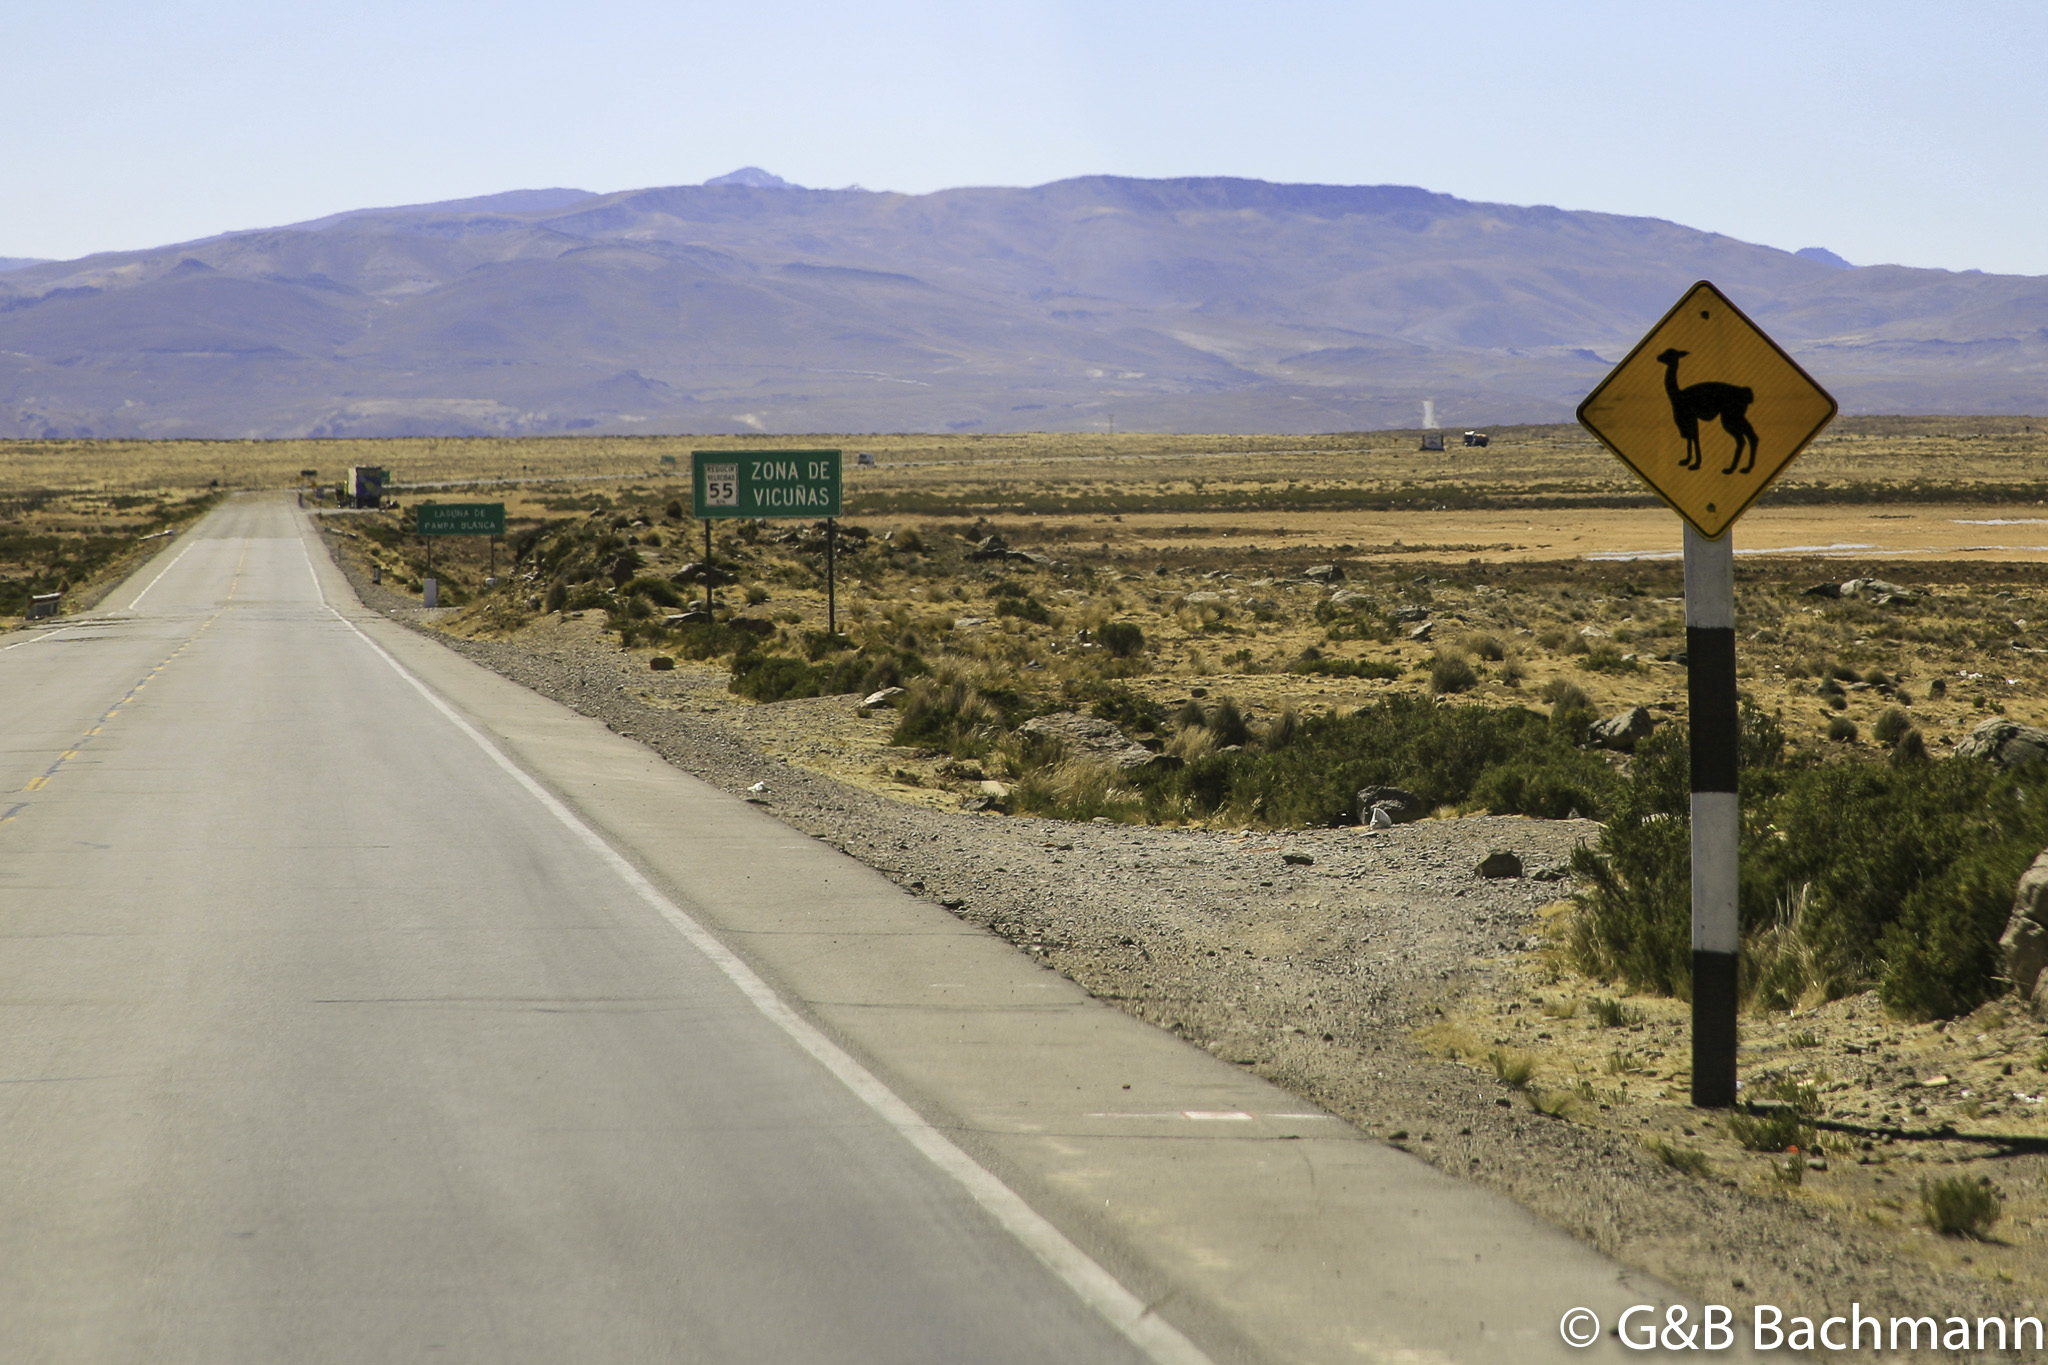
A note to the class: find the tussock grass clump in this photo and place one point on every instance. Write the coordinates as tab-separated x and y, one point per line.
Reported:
1481	645
1773	1130
1689	1161
1957	1206
1614	1014
1512	1069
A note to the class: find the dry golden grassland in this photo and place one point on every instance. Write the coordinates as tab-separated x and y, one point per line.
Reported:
1202	544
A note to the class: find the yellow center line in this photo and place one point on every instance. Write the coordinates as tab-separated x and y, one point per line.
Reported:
37	783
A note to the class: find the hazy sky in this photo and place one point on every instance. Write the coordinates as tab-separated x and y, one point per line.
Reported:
1886	130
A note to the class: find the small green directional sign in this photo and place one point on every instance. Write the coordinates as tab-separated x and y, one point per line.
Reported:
764	483
460	519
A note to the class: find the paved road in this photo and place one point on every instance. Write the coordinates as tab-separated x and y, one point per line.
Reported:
321	1040
359	1006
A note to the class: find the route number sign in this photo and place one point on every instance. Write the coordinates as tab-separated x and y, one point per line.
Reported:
460	519
765	483
1707	410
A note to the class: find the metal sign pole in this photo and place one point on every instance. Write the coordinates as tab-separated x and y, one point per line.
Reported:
1716	813
831	577
707	567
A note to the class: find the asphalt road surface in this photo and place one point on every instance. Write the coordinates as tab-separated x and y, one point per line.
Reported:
320	1040
359	1006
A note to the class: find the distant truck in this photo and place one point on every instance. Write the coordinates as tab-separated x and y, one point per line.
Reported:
363	486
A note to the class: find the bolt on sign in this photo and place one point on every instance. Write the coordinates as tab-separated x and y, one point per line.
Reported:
459	519
1707	410
764	483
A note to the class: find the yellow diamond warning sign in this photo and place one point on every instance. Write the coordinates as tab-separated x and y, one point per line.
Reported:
1707	410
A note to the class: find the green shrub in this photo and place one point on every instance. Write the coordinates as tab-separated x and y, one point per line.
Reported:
655	590
1957	1206
1911	749
1227	725
773	677
1842	730
1026	608
1909	895
1451	673
1608	659
1122	639
1890	725
1115	703
1504	758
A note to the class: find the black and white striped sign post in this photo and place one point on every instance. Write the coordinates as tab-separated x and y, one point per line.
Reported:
1716	812
1707	364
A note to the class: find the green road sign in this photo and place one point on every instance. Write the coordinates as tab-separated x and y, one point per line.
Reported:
764	483
460	519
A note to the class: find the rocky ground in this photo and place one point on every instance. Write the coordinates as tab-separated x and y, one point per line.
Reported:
1378	973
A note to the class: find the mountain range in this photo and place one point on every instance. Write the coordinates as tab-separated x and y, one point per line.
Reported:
751	304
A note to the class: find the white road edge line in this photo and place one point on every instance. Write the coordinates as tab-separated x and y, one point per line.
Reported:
1101	1291
174	564
44	636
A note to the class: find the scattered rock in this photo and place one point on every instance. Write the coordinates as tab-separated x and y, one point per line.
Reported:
1297	860
703	575
1412	614
1345	597
983	802
1323	573
881	698
1500	864
758	788
1400	806
1828	590
1423	631
2005	742
1093	737
2025	941
696	616
1622	731
662	663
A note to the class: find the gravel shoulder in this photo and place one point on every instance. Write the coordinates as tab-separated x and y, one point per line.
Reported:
1335	963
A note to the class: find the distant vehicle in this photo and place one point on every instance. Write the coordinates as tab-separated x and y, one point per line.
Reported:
363	486
1432	442
1475	438
865	459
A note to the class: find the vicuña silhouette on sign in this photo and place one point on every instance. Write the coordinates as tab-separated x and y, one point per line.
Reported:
1705	402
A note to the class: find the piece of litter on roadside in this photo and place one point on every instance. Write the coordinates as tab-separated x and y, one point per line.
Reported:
1935	1080
758	787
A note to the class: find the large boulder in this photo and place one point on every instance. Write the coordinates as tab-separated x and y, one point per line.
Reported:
2025	940
1622	731
2005	742
1398	806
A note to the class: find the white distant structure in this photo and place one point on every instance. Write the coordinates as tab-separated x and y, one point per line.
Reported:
1429	414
